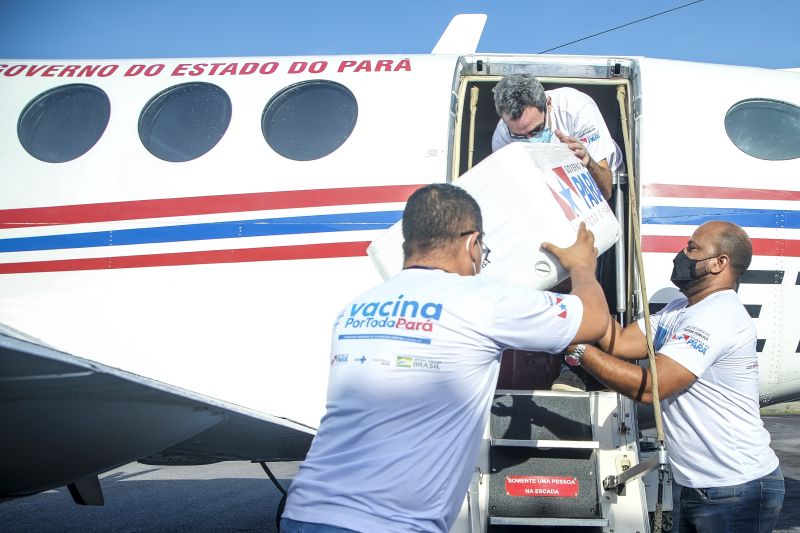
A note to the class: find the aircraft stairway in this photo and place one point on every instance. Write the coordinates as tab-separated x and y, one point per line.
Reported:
544	460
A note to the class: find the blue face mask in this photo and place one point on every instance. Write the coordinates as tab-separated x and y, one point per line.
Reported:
540	134
542	137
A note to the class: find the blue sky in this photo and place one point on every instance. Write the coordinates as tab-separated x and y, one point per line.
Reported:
739	32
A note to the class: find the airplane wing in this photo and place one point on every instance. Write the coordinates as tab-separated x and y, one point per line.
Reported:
65	419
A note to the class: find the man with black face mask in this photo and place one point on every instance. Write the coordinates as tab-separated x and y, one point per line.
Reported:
684	271
707	364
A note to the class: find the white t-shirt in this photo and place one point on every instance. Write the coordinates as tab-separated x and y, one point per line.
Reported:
575	114
715	436
414	364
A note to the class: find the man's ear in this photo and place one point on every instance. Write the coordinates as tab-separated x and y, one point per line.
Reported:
468	247
723	262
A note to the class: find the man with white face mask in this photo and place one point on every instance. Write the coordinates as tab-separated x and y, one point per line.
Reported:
707	364
528	113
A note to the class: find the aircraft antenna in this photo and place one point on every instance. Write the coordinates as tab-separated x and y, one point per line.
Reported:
462	35
621	26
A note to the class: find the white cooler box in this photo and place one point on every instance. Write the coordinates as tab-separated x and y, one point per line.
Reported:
529	193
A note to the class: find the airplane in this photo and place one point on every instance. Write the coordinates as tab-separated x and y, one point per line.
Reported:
177	236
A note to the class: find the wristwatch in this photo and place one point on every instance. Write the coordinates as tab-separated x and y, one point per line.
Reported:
574	357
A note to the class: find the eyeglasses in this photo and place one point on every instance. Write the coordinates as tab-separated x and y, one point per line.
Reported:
535	132
485	251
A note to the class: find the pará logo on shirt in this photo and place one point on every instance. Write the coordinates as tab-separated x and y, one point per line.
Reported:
554	298
594	137
694	342
695	337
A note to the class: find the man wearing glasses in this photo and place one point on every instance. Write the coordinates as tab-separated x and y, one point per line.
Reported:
414	362
528	113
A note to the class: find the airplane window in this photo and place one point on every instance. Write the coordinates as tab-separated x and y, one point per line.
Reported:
309	120
63	123
765	129
185	121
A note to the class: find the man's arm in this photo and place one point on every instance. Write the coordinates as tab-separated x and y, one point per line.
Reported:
580	260
597	169
626	343
634	381
601	174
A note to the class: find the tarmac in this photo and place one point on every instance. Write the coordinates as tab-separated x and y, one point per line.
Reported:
238	496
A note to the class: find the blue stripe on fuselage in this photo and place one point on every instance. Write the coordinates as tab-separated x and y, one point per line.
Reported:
693	216
370	220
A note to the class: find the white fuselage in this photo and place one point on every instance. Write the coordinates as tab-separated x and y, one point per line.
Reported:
223	274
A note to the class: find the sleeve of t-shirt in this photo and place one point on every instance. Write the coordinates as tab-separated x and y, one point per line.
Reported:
592	131
501	136
528	319
657	332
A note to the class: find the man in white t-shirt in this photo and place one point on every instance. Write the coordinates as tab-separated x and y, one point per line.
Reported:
708	386
528	113
413	367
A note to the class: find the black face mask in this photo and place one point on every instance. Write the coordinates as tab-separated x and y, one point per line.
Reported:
684	271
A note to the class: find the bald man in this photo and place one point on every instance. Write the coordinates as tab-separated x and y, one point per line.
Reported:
707	365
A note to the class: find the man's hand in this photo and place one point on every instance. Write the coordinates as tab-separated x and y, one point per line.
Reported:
580	260
577	147
581	254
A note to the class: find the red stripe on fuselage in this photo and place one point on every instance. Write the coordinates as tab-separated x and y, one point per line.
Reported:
201	205
765	247
723	193
244	255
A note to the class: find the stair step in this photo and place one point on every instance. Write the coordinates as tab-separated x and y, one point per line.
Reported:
574	444
574	522
534	416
